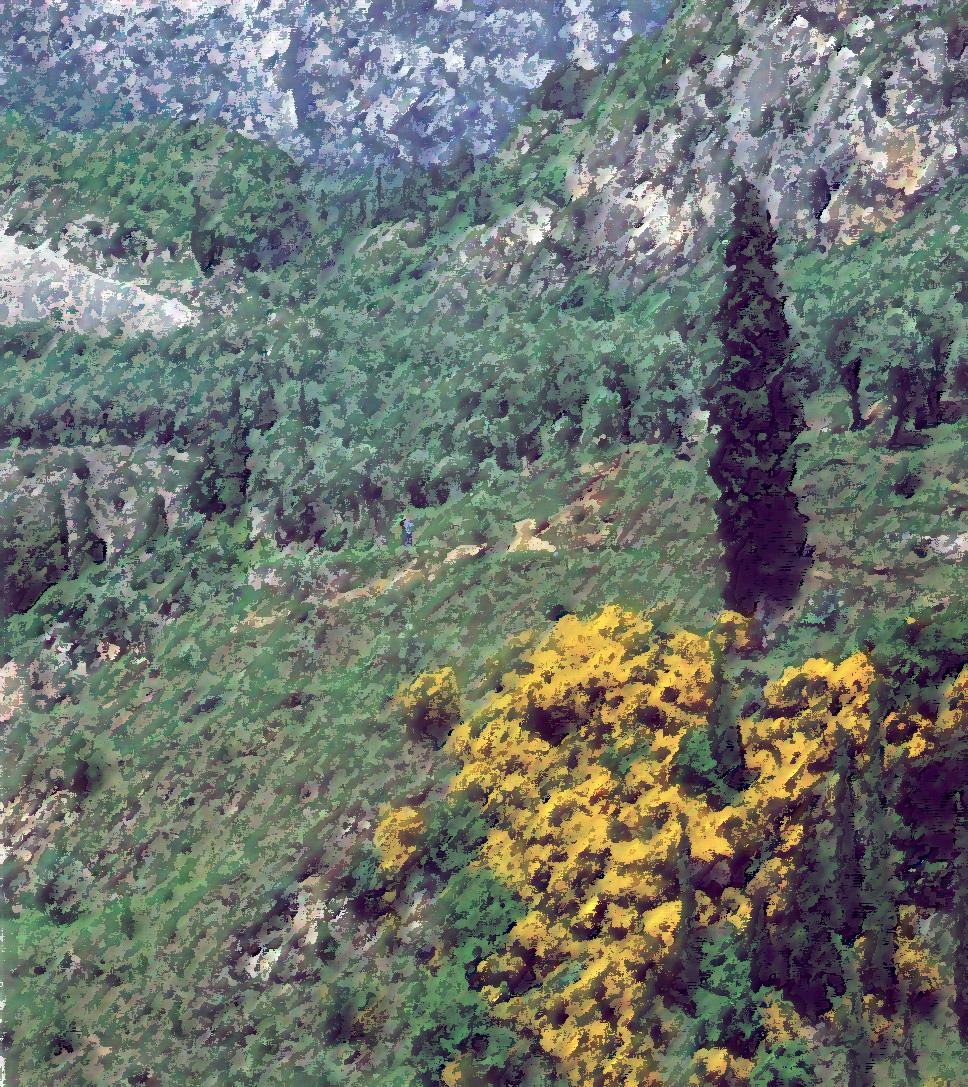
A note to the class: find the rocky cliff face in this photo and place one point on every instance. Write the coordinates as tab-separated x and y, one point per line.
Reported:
61	508
38	284
846	116
350	82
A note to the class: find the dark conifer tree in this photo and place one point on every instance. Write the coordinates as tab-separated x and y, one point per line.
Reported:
63	531
205	245
847	361
813	968
759	416
826	902
758	939
725	740
845	849
880	885
155	523
929	412
302	424
266	411
856	1039
204	482
87	544
850	374
235	484
687	938
960	874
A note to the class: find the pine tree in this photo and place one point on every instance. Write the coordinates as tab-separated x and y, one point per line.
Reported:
928	411
758	418
906	1056
204	483
63	531
204	242
827	895
302	421
155	523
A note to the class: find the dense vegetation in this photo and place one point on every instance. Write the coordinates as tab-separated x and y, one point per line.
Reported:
291	805
668	924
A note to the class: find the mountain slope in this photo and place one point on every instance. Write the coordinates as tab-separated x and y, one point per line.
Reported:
289	804
358	85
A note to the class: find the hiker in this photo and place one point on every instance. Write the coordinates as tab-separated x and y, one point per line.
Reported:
407	532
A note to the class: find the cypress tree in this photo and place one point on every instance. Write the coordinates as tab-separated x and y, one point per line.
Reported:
845	910
63	531
725	739
155	523
907	1055
687	937
847	361
813	967
204	242
87	544
928	412
235	483
203	487
856	1039
880	885
759	417
960	874
758	940
302	422
827	895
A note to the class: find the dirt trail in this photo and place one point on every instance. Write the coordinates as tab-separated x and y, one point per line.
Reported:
527	537
406	576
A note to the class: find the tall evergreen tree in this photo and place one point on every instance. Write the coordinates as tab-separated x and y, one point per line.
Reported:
688	949
889	342
960	874
87	544
843	846
826	897
155	523
758	940
753	403
813	967
856	1035
725	739
237	474
880	885
929	412
848	363
63	531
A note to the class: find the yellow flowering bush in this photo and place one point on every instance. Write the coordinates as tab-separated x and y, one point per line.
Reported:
431	704
398	838
625	869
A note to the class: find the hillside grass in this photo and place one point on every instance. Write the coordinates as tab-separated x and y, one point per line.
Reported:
205	731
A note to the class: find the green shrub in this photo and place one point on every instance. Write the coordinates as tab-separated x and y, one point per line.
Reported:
787	1064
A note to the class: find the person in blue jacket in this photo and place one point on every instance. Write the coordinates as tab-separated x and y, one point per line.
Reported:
407	526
